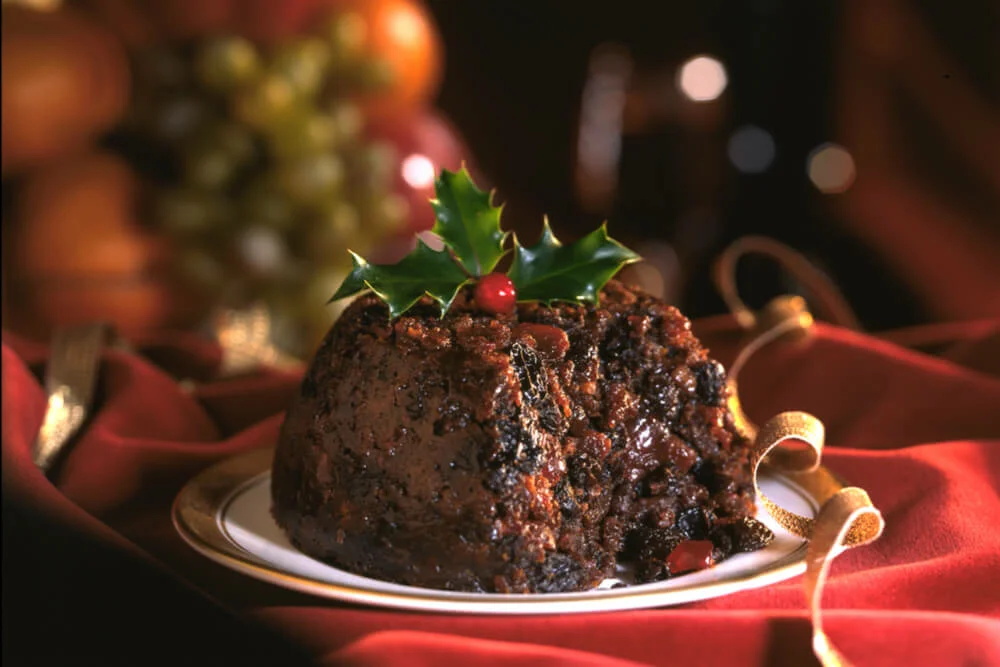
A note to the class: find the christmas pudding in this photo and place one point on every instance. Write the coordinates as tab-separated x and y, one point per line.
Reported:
465	430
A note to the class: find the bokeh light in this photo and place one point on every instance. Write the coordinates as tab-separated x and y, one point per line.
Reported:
262	250
702	79
751	149
418	171
830	168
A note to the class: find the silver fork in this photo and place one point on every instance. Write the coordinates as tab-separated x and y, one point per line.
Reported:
70	378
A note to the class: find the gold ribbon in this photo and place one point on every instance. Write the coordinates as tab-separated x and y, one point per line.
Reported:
245	337
846	518
816	283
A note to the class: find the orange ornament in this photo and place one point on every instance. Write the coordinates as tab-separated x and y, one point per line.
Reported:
65	80
75	253
403	35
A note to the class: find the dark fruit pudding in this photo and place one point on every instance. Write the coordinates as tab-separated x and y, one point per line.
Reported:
526	450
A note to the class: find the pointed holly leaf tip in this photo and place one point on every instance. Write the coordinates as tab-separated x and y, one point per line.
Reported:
549	271
467	222
355	280
400	285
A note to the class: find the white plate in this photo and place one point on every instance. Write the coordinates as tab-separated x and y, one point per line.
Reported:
224	513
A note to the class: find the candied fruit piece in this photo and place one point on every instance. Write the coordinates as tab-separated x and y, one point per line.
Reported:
690	555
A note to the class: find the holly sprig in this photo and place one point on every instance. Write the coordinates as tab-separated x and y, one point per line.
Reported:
468	226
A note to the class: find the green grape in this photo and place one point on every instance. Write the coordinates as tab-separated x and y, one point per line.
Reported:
266	102
311	179
374	165
226	63
343	220
213	158
304	134
264	203
236	140
208	166
209	169
303	63
186	212
178	117
347	33
349	120
382	215
376	75
331	232
200	268
393	210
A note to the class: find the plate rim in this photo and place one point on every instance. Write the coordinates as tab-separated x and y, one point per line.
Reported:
198	508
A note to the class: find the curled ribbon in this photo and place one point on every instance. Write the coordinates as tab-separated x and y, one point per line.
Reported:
846	518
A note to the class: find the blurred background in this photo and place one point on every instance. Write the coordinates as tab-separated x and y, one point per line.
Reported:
165	159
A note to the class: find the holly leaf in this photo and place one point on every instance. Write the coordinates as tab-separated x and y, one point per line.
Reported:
355	280
400	285
469	227
549	271
467	222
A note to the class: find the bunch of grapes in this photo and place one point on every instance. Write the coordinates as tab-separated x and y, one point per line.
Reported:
263	176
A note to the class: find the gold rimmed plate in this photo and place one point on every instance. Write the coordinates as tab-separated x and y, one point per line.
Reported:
224	513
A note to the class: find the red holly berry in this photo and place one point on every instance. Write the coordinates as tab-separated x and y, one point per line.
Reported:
690	555
495	293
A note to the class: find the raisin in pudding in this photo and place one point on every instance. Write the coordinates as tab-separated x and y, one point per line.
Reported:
526	451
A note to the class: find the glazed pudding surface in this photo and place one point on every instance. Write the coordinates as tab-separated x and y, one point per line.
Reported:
528	452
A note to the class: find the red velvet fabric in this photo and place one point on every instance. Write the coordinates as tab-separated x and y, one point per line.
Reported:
94	573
